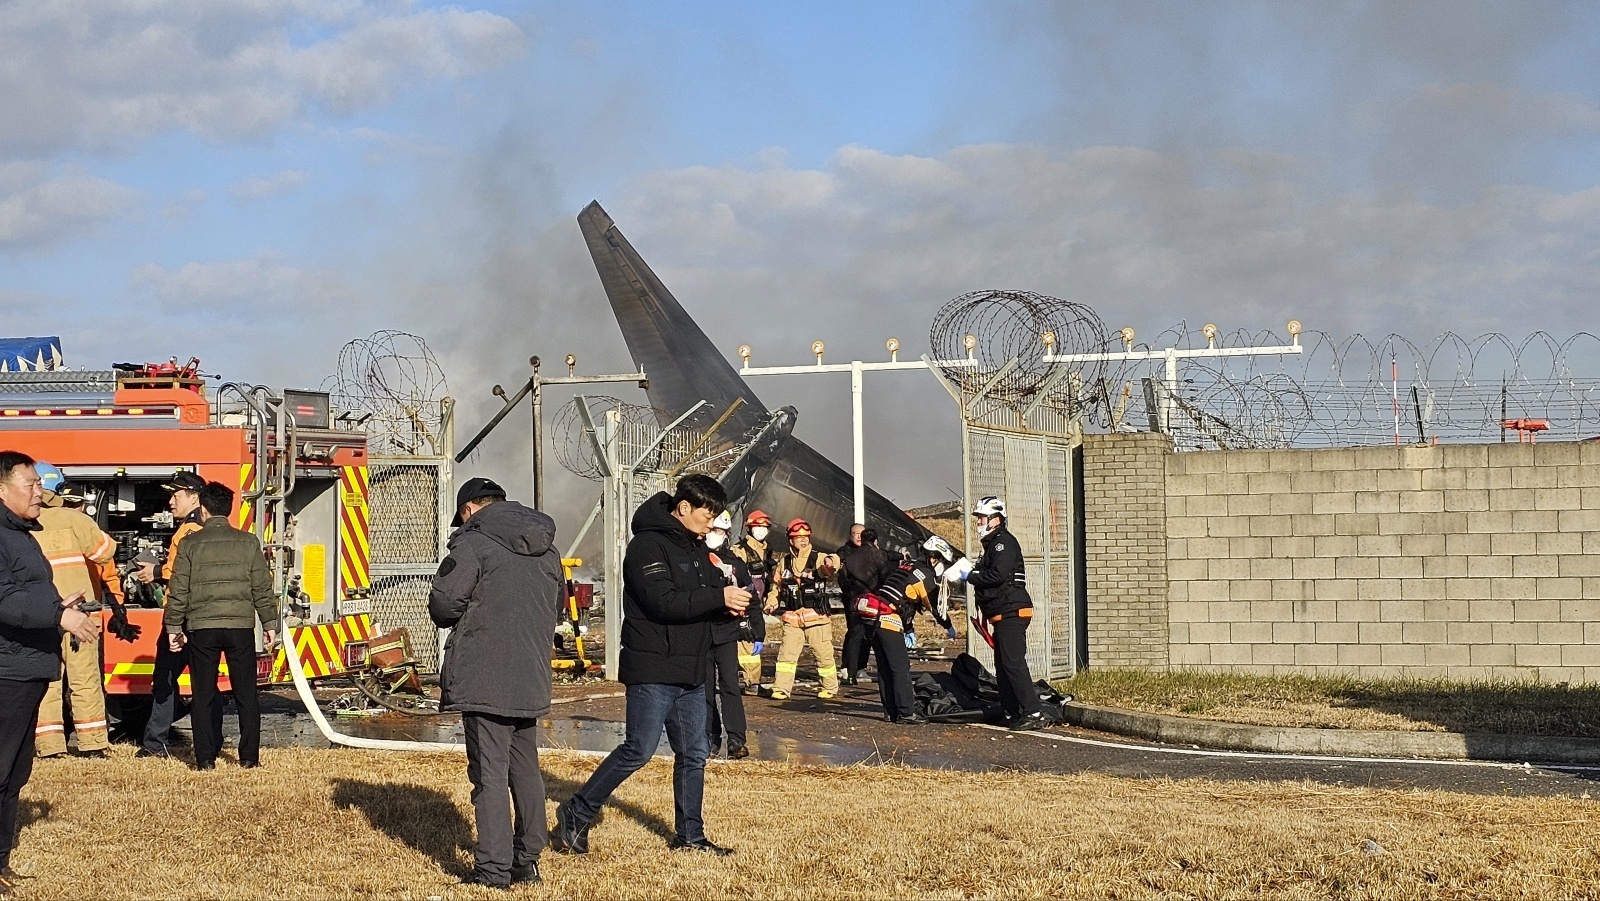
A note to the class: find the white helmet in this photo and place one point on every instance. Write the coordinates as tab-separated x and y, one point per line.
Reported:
989	506
724	521
937	545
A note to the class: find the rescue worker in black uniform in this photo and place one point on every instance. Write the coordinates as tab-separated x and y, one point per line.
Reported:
884	613
727	636
862	567
1004	604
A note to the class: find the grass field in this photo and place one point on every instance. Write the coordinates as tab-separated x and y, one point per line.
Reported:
1336	703
347	824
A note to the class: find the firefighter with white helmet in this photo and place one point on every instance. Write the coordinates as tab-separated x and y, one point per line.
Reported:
798	590
1004	604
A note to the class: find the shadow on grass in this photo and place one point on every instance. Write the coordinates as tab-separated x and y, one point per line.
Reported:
32	811
423	818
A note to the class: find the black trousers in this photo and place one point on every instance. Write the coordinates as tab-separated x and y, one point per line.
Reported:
19	708
857	642
166	704
503	755
1018	694
207	647
724	684
894	673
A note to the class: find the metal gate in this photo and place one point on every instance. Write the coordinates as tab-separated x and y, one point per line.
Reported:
411	504
1034	473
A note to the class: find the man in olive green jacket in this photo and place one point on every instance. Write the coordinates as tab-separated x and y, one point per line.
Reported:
220	585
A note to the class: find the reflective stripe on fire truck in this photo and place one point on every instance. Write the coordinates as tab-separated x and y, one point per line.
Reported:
247	484
354	535
135	678
321	647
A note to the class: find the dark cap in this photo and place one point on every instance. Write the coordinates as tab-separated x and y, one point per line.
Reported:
474	489
184	481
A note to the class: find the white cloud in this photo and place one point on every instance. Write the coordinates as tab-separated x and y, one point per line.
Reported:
263	187
100	75
264	287
41	206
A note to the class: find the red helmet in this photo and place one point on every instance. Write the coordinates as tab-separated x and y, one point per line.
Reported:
799	527
757	518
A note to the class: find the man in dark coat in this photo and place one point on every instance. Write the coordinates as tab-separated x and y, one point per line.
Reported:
863	568
33	617
499	592
671	594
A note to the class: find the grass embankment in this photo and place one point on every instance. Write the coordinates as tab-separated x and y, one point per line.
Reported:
347	824
1337	703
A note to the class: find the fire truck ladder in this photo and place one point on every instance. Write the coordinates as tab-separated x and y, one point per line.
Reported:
277	445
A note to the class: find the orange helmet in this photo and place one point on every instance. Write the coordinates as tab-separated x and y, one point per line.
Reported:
799	527
757	518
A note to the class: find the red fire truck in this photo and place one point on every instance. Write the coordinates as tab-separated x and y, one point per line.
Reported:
300	476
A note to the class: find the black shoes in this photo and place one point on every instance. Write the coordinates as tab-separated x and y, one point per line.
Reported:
146	752
249	764
208	765
478	878
526	873
915	719
569	835
1030	721
739	753
704	845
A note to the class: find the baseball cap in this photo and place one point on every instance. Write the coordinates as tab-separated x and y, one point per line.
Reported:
184	481
474	489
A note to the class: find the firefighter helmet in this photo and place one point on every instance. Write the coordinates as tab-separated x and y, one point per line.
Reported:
938	546
757	518
799	527
50	478
989	506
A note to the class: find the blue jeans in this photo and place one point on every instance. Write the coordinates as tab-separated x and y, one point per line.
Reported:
681	709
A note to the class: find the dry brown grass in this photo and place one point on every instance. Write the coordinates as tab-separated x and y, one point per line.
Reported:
1338	703
347	824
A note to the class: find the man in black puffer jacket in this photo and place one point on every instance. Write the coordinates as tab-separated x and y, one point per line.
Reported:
671	595
499	592
32	618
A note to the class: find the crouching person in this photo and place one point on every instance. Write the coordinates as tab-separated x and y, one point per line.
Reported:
499	591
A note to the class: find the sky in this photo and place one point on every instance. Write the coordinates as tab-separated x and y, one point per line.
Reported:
256	182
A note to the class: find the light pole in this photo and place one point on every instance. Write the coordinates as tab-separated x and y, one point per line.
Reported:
857	370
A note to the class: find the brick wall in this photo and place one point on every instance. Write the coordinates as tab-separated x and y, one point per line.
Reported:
1125	515
1458	561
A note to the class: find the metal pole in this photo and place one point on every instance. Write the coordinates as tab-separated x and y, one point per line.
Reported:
538	449
860	456
1172	390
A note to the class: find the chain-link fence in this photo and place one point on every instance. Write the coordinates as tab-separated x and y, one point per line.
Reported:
410	500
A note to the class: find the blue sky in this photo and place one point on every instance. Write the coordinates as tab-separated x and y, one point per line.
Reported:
257	181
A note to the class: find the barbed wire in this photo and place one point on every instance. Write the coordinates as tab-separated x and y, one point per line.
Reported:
1006	325
394	377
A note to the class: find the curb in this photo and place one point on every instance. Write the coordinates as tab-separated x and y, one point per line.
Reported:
1335	742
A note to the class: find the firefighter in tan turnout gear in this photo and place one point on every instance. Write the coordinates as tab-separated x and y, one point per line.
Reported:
78	551
798	591
752	550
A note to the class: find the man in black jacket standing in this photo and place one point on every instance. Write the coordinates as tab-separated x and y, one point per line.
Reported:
499	592
863	568
33	617
1003	601
671	595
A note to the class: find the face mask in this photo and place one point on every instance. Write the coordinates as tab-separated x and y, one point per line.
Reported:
759	533
989	524
715	540
938	570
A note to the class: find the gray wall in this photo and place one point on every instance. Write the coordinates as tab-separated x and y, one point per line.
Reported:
1124	515
1460	561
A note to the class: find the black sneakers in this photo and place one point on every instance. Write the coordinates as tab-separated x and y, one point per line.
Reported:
479	878
1030	721
704	845
526	873
915	719
569	836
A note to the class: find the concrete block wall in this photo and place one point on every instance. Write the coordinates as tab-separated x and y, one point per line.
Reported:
1125	516
1456	561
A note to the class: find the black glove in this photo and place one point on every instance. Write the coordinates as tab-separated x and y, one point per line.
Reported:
120	627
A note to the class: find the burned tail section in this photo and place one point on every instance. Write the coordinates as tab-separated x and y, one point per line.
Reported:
683	365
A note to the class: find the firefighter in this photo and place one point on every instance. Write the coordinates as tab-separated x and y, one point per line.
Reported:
798	590
728	636
1004	603
166	707
884	613
78	551
757	557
